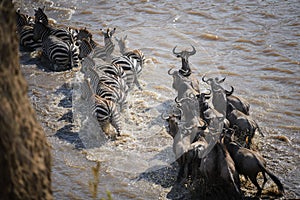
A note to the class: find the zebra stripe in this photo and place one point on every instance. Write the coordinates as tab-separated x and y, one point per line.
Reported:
138	55
103	109
22	20
105	52
41	31
133	54
26	39
107	86
106	112
85	48
63	56
111	69
129	67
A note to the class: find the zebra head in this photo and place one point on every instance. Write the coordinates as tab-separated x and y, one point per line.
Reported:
40	16
108	33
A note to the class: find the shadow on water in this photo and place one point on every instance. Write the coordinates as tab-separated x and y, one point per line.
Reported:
67	91
166	176
67	134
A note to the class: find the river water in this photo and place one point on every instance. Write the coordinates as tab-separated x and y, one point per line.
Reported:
255	44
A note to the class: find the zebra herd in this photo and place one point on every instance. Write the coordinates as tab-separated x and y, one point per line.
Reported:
107	78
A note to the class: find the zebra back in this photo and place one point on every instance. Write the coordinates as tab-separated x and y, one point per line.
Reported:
26	38
129	66
111	69
42	31
40	16
138	55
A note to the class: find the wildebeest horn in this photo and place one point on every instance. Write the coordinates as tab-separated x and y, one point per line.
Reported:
204	125
176	53
220	81
228	93
207	93
180	113
203	78
192	96
192	52
164	117
169	72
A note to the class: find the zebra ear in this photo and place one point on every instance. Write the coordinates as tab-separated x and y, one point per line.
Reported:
112	32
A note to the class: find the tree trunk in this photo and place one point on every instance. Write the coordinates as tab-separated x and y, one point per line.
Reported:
25	159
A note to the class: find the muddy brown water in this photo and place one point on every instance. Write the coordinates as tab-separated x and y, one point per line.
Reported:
255	44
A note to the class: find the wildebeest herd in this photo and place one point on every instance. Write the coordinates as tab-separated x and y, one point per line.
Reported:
212	136
212	130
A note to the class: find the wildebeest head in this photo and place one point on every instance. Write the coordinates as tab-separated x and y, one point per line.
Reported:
184	55
173	122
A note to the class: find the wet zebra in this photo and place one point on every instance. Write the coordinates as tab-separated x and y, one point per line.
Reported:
103	109
22	20
129	65
85	48
136	54
105	52
62	55
110	69
107	86
25	32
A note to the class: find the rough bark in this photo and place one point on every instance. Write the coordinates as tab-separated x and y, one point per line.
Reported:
25	160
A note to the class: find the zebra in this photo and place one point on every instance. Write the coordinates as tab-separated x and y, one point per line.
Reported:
25	32
134	54
40	16
104	110
26	39
41	29
85	48
22	20
105	52
129	65
107	86
138	55
62	55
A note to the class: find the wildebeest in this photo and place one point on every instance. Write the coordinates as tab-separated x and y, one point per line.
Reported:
184	137
218	170
243	123
239	103
219	94
249	163
184	55
183	85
